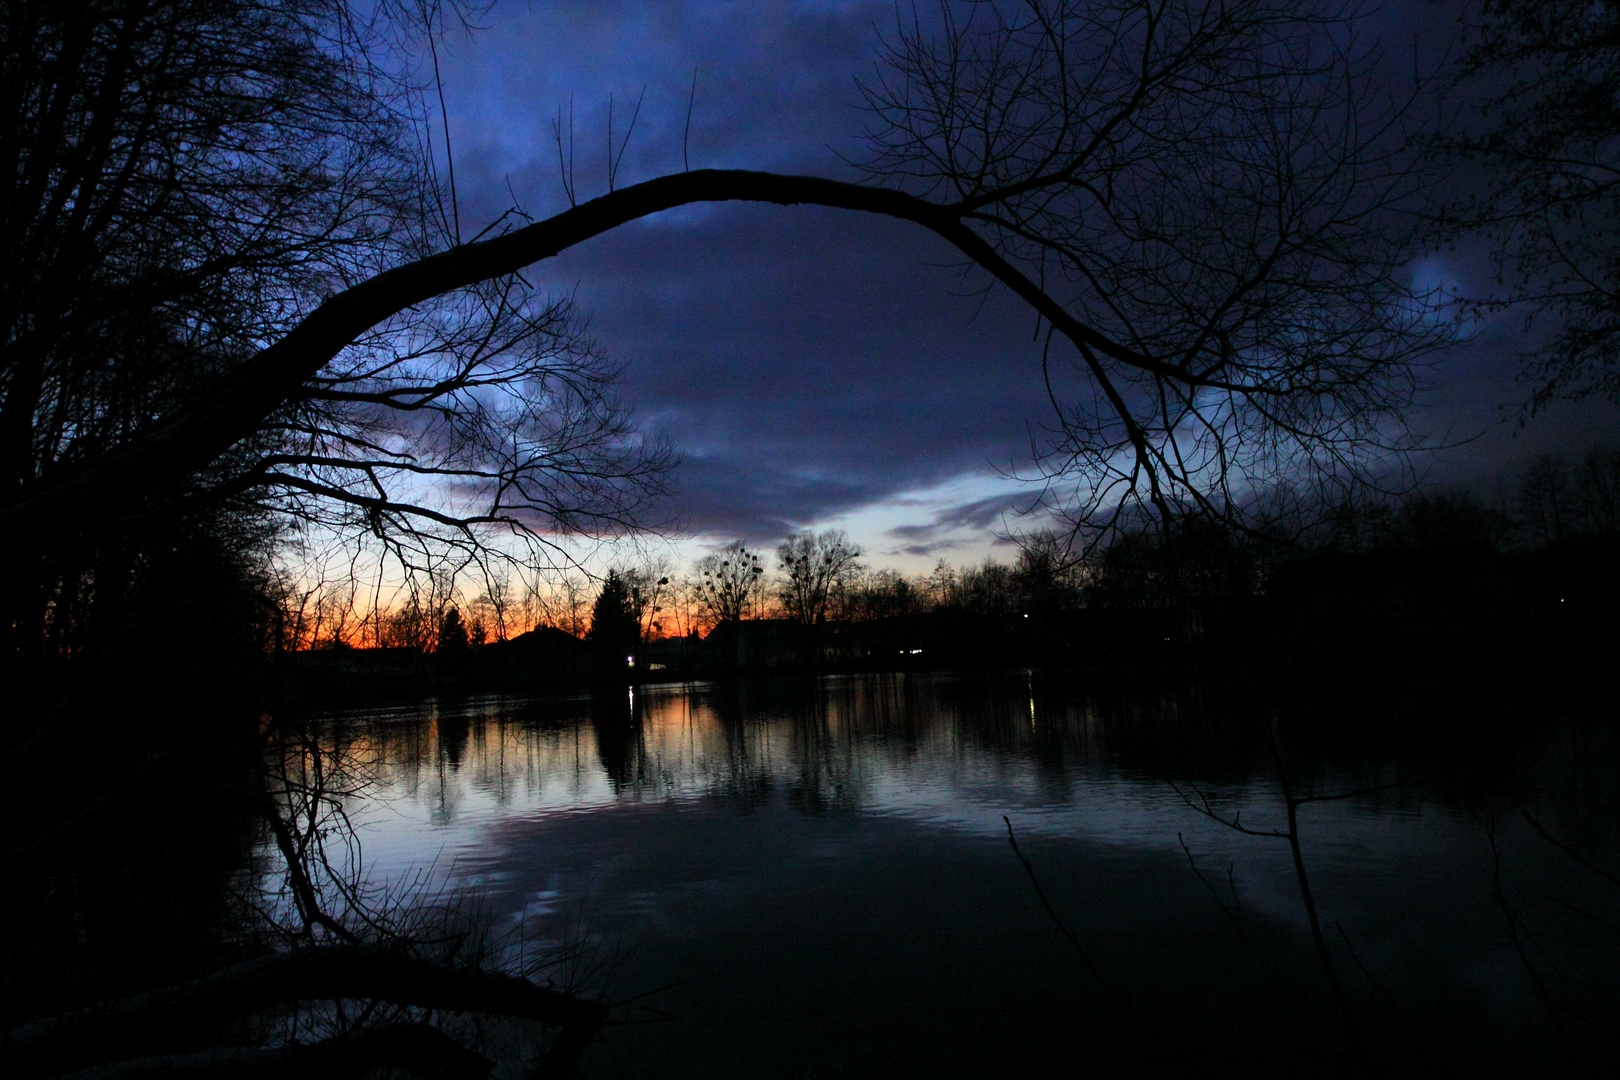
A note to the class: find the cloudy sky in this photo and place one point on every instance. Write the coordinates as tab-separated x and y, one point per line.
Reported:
818	368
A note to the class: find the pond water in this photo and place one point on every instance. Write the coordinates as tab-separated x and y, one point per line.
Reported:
814	878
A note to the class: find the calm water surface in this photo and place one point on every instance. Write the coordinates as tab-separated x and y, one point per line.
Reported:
813	878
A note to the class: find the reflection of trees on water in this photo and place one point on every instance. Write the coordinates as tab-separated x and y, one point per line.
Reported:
826	744
453	734
827	773
1583	768
823	741
846	745
616	725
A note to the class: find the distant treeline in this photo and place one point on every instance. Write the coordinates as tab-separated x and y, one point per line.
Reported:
1432	577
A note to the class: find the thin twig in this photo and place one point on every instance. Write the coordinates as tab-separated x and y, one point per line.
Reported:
444	118
686	164
1567	850
1057	921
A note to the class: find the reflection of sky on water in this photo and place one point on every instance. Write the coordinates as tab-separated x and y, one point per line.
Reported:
681	815
443	803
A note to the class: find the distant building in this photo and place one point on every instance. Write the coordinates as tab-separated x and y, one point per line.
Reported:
756	644
677	656
543	654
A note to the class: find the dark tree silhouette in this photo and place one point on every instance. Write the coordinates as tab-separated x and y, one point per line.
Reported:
1546	503
188	181
727	582
1552	201
1597	490
453	637
1205	201
1449	519
1193	560
615	633
1048	575
880	594
815	566
1194	198
985	590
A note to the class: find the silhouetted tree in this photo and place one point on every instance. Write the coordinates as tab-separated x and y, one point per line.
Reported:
193	179
1208	197
615	633
453	635
985	590
880	594
1194	198
1049	575
495	604
564	604
816	567
415	622
1552	201
1546	504
1445	519
650	594
726	582
940	584
1358	524
1194	560
1597	490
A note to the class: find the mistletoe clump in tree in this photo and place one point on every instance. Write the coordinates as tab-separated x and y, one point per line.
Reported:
728	582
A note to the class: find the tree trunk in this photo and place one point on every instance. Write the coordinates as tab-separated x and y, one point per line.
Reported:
185	1017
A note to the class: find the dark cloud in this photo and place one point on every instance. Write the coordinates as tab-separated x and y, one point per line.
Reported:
814	348
981	514
804	361
808	362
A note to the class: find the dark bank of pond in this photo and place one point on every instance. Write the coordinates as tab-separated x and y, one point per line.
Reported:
813	877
